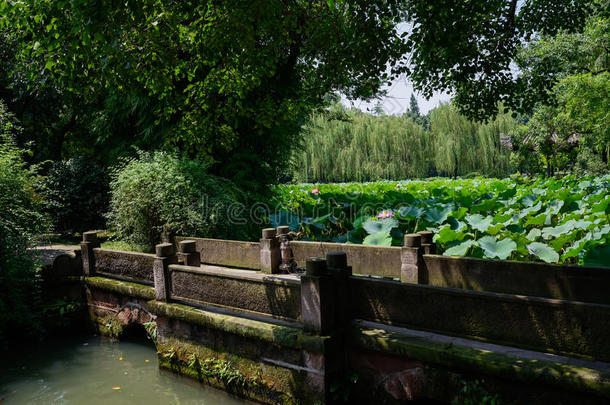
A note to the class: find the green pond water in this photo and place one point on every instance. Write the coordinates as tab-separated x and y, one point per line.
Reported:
95	370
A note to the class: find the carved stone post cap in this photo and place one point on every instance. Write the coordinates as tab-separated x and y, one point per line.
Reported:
413	240
90	236
268	233
426	236
164	250
282	230
336	260
315	266
187	246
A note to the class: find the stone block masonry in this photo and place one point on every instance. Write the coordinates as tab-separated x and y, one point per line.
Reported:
332	333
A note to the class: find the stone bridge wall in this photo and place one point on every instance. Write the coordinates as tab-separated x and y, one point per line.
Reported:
301	339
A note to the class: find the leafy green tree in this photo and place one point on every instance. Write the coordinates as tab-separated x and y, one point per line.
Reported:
75	194
414	113
463	146
159	192
570	124
550	134
470	48
20	220
585	99
227	80
414	106
342	144
348	145
378	110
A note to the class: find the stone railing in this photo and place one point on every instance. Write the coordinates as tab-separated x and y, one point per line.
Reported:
528	322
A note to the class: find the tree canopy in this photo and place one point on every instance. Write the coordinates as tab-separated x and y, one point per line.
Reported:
470	48
231	80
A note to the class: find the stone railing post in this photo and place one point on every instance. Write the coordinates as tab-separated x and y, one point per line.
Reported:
165	255
90	242
270	251
325	312
188	254
336	263
282	230
316	297
426	242
324	294
412	259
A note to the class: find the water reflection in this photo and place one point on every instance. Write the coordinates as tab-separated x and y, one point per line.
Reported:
94	370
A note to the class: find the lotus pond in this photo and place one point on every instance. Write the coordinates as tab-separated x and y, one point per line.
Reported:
563	220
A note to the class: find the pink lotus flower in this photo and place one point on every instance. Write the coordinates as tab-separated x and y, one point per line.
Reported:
385	214
315	191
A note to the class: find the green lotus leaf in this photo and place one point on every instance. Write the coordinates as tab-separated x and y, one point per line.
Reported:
378	239
359	221
446	235
555	207
543	252
515	228
529	200
495	229
534	234
554	232
437	215
531	210
494	248
537	220
373	226
460	249
410	212
479	222
459	212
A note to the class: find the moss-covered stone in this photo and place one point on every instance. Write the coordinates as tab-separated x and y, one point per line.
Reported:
482	361
285	336
122	287
229	288
238	375
134	265
109	325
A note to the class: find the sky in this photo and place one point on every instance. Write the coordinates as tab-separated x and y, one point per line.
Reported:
396	102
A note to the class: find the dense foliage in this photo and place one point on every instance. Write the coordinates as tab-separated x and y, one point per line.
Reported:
75	194
229	81
347	145
20	220
569	130
160	192
476	57
520	218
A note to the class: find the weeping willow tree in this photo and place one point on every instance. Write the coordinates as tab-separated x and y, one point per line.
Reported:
462	146
349	145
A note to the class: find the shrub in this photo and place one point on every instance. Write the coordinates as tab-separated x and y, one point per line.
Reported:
20	220
159	190
75	194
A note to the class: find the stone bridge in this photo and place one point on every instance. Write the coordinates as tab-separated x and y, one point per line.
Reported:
363	324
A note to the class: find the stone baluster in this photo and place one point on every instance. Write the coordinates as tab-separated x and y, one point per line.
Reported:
412	259
90	242
269	251
426	242
188	254
165	255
